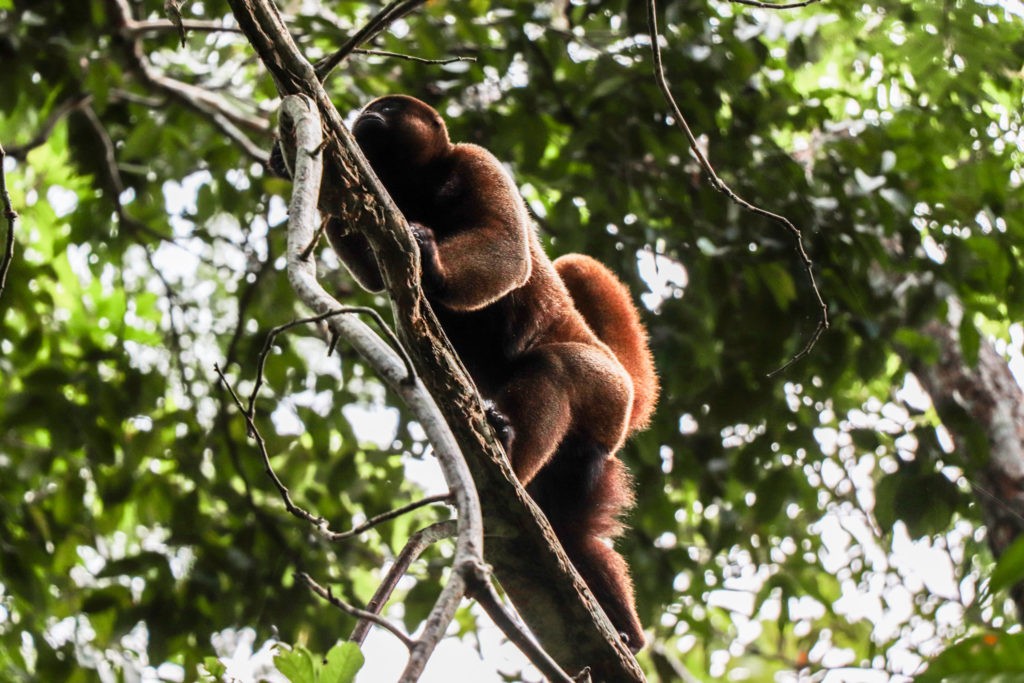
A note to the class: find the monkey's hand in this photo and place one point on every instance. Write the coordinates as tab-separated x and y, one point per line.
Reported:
430	263
500	424
277	164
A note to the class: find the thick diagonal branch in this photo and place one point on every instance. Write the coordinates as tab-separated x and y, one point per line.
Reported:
525	554
303	220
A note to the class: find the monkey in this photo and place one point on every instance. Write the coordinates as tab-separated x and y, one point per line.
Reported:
557	349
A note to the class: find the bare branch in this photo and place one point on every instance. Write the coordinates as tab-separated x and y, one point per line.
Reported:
268	344
117	94
414	547
411	58
768	5
216	108
12	216
109	157
308	251
116	183
390	514
391	13
720	185
43	134
329	596
302	221
221	112
197	25
317	522
485	594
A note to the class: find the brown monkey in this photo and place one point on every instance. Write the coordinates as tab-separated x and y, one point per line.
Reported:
557	349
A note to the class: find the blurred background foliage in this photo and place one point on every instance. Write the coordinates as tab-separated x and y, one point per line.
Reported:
800	526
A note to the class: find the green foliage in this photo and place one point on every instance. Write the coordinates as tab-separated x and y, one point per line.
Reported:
989	657
137	527
340	665
1009	570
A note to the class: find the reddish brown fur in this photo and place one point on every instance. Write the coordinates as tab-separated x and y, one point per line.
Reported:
570	390
606	305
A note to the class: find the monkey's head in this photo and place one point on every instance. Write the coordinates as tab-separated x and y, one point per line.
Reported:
401	132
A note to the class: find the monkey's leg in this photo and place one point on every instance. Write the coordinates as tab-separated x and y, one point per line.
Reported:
563	387
582	491
607	576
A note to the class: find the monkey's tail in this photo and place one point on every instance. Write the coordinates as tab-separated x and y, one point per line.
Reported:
608	308
583	491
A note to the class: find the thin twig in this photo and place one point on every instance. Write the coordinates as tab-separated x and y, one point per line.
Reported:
119	95
720	185
308	251
319	523
197	25
117	186
391	13
414	547
328	595
411	58
487	597
249	413
43	134
228	118
390	514
109	157
268	343
768	5
12	216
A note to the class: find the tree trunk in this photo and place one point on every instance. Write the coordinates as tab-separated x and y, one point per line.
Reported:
991	439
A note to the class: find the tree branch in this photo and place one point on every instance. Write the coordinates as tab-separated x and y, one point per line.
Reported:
302	117
526	555
485	594
412	58
414	547
228	118
362	614
43	134
390	514
197	25
391	13
768	5
12	216
720	185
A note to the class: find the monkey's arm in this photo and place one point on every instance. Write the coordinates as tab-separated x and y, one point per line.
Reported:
355	252
483	252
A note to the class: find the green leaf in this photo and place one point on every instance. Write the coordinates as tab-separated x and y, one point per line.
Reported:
343	662
297	665
1010	567
988	658
925	503
212	669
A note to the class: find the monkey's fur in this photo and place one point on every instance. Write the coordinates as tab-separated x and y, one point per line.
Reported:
558	348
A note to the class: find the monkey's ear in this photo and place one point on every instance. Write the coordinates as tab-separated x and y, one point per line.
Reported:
277	164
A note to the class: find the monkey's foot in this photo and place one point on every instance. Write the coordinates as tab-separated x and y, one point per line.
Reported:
500	424
429	260
632	648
